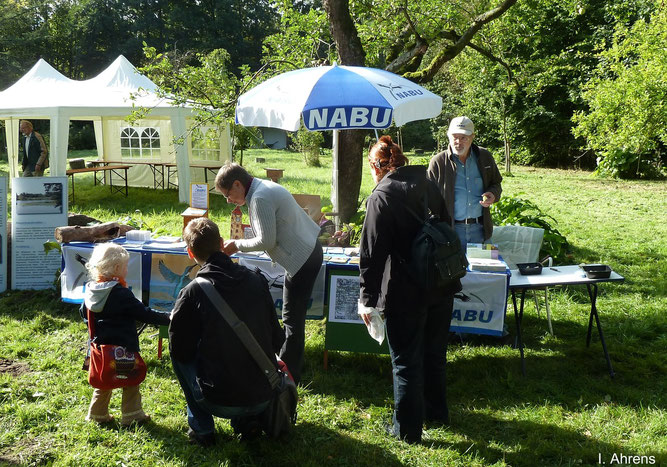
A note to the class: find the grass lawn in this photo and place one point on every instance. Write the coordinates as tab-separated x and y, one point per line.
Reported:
566	411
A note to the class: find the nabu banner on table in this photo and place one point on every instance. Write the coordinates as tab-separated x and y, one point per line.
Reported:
480	307
275	275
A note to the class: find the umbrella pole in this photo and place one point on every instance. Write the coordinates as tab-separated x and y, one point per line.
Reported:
335	179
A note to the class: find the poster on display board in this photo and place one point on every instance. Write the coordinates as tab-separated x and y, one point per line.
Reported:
75	274
345	330
169	274
39	205
275	275
3	234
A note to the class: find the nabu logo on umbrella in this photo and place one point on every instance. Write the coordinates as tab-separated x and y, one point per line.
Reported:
336	118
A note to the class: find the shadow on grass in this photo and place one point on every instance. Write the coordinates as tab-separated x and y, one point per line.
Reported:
528	443
561	370
308	444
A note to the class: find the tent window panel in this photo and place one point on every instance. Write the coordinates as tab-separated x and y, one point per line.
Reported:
205	144
140	142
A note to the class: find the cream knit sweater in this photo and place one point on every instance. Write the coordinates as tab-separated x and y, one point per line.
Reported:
282	228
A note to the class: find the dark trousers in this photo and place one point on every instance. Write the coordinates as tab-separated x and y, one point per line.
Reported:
418	346
296	296
201	412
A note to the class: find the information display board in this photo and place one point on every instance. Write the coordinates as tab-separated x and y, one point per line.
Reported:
39	205
345	330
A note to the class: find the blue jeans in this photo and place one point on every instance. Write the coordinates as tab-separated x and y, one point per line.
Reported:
201	411
469	233
418	347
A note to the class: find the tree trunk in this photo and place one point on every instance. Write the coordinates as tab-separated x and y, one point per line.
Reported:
93	233
350	157
351	142
508	167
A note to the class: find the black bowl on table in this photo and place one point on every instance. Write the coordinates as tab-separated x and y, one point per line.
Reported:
596	271
529	269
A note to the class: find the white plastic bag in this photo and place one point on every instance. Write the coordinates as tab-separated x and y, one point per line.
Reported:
376	322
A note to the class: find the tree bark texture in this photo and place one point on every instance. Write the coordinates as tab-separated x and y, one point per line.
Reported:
351	158
93	233
351	142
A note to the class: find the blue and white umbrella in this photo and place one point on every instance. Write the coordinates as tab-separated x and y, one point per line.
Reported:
336	98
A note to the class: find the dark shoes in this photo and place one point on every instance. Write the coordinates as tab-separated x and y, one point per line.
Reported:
205	441
389	429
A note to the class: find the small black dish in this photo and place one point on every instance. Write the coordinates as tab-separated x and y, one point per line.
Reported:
529	269
596	271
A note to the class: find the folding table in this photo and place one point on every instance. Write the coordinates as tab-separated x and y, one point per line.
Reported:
561	275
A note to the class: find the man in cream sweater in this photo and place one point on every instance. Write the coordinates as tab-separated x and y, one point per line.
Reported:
289	236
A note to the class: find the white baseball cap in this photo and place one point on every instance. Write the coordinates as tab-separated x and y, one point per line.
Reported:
461	125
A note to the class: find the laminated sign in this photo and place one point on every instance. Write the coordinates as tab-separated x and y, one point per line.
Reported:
480	307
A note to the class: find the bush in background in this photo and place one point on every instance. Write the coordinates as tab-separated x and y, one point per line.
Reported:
309	143
81	135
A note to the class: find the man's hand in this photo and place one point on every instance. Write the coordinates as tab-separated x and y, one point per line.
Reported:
230	247
487	199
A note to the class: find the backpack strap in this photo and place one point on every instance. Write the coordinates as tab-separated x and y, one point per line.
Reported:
242	332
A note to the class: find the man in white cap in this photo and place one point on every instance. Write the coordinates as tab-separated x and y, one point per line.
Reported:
469	180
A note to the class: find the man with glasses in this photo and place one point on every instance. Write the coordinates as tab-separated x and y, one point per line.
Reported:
469	180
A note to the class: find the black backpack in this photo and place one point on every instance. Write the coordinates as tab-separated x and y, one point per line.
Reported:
437	259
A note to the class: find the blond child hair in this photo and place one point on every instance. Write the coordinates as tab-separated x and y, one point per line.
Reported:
107	261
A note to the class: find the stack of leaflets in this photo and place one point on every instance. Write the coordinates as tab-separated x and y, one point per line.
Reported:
487	264
166	243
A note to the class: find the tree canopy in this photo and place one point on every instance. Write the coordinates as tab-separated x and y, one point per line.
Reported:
547	82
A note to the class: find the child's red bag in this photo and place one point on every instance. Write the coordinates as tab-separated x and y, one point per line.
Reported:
113	366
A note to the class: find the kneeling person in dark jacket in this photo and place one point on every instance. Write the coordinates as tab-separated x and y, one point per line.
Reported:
218	375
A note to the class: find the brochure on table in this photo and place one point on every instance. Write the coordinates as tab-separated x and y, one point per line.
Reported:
3	234
39	205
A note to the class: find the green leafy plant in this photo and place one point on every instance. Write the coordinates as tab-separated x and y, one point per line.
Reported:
519	211
136	221
309	144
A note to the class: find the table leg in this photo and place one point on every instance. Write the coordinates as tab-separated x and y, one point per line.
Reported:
126	193
117	189
169	184
593	294
159	348
518	317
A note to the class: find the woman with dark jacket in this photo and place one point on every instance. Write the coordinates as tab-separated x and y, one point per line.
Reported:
417	322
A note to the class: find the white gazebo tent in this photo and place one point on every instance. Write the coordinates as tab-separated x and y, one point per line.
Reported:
107	99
